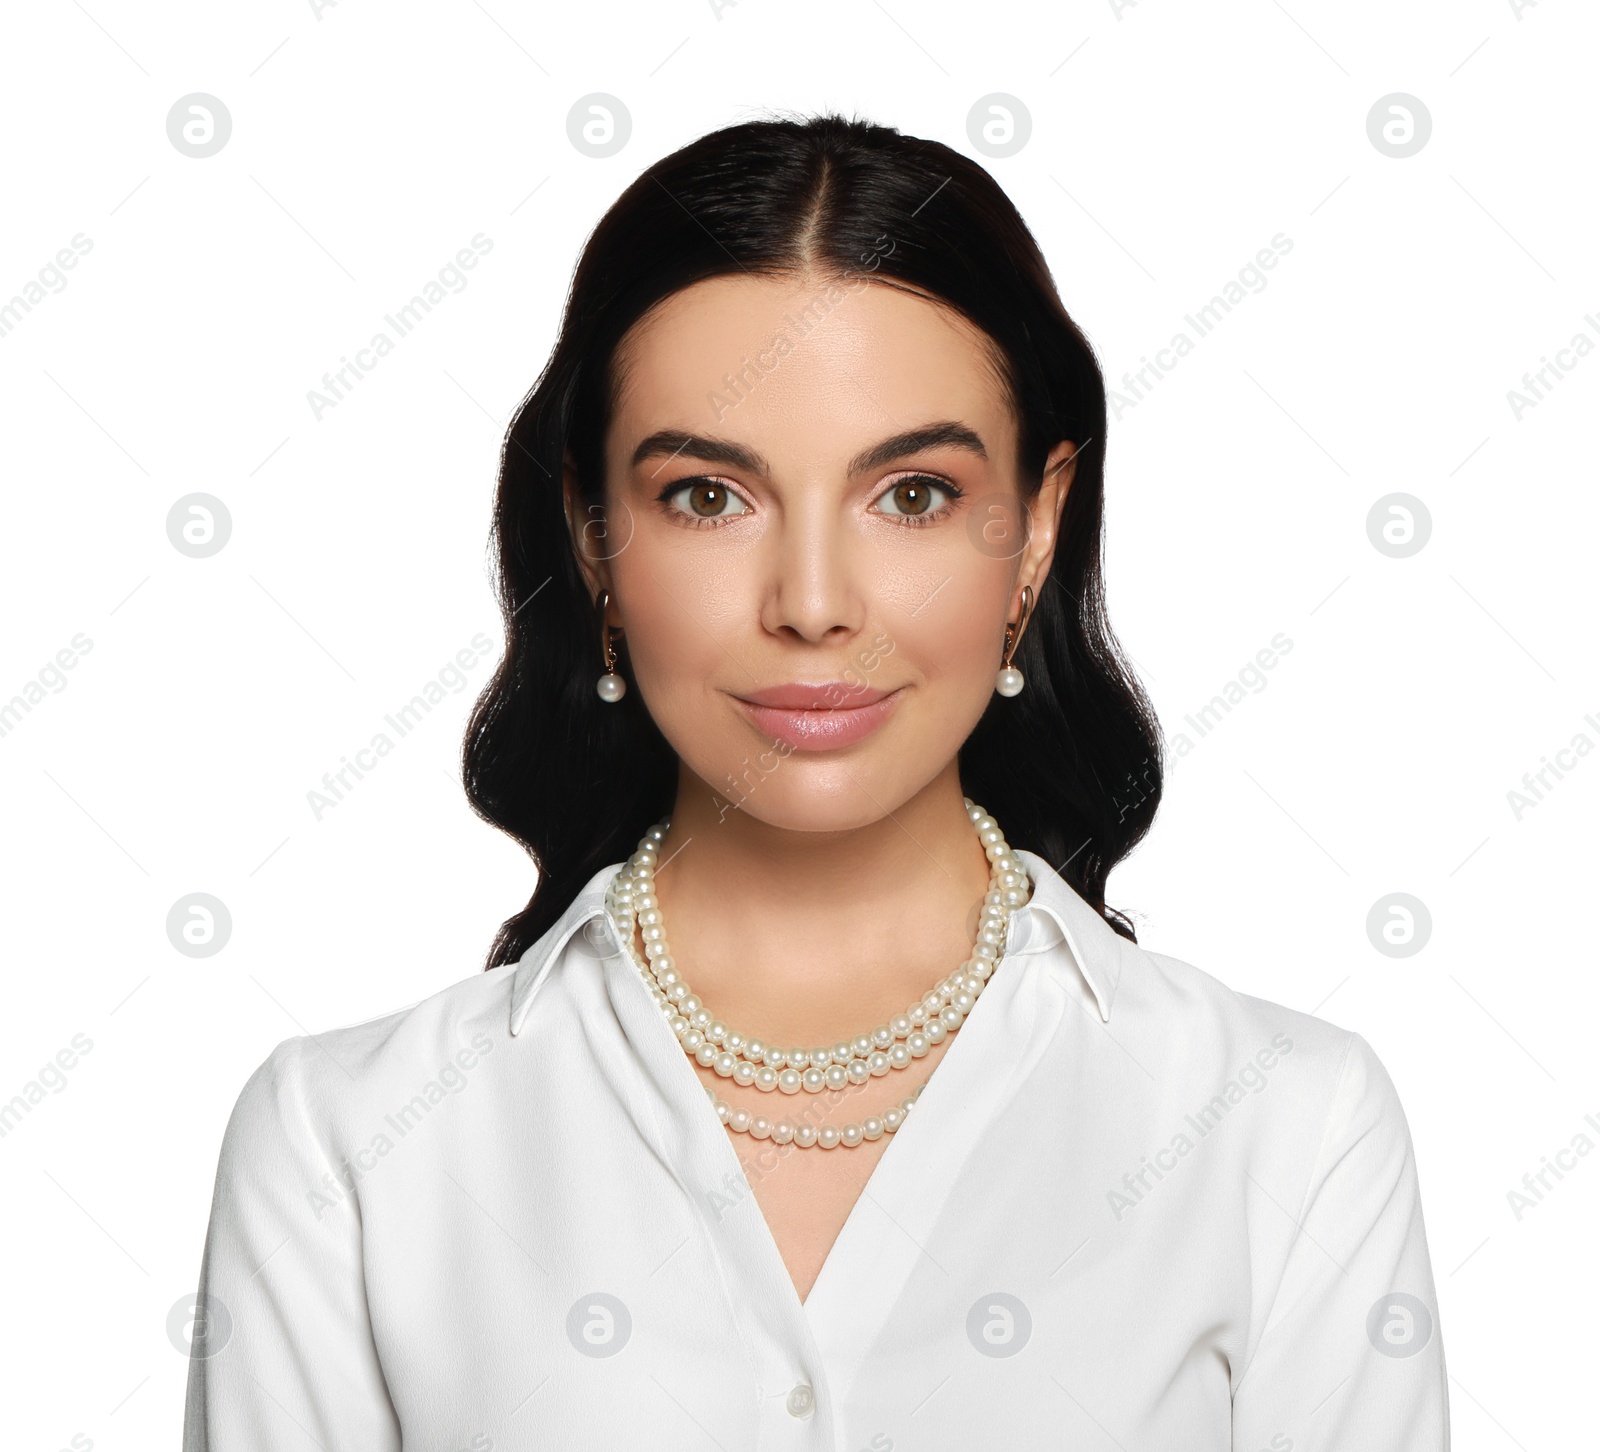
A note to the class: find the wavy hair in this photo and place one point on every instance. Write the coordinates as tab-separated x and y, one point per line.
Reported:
1072	766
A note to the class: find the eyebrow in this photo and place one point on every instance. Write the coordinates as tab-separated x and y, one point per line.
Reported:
671	443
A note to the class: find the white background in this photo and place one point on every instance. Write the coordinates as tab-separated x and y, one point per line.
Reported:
1170	142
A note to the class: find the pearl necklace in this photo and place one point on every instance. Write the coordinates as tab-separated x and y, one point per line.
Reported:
631	899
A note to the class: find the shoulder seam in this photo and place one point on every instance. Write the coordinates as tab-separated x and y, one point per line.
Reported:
1305	1195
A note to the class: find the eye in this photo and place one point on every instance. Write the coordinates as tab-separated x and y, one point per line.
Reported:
916	498
705	502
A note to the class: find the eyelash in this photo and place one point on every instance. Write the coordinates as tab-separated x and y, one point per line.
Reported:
915	521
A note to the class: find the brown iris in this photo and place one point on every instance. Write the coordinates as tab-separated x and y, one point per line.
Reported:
713	496
912	496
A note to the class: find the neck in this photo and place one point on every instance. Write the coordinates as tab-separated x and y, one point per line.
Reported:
811	935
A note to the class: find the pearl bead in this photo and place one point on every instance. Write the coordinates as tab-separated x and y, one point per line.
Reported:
632	907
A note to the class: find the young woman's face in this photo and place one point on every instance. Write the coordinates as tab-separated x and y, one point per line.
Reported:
813	485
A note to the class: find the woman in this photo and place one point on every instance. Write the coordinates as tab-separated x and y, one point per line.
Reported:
807	670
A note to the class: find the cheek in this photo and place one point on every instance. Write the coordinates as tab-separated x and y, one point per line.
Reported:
953	642
683	616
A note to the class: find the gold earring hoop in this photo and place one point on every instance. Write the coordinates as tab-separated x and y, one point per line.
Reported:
611	687
1009	681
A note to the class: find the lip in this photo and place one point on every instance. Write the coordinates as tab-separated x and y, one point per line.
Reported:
805	716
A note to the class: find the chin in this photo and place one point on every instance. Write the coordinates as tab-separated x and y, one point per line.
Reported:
815	796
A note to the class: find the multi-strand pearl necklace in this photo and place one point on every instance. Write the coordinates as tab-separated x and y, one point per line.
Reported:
631	899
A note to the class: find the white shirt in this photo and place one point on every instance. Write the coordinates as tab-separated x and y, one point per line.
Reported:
1131	1209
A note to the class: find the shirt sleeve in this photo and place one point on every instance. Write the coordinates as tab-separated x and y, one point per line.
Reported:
1350	1355
282	1348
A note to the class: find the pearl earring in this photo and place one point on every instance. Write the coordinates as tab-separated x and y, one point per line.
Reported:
610	686
1010	682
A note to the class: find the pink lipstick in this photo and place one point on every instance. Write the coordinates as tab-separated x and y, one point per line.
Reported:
820	717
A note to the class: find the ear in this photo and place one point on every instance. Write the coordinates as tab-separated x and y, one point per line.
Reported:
586	530
1045	512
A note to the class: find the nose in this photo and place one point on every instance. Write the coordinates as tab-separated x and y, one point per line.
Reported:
816	587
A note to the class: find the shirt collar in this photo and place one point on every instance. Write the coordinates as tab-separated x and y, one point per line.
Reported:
1055	914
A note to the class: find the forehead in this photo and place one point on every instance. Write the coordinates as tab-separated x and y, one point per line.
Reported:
782	357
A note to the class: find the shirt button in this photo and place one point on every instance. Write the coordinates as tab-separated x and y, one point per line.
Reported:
801	1401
